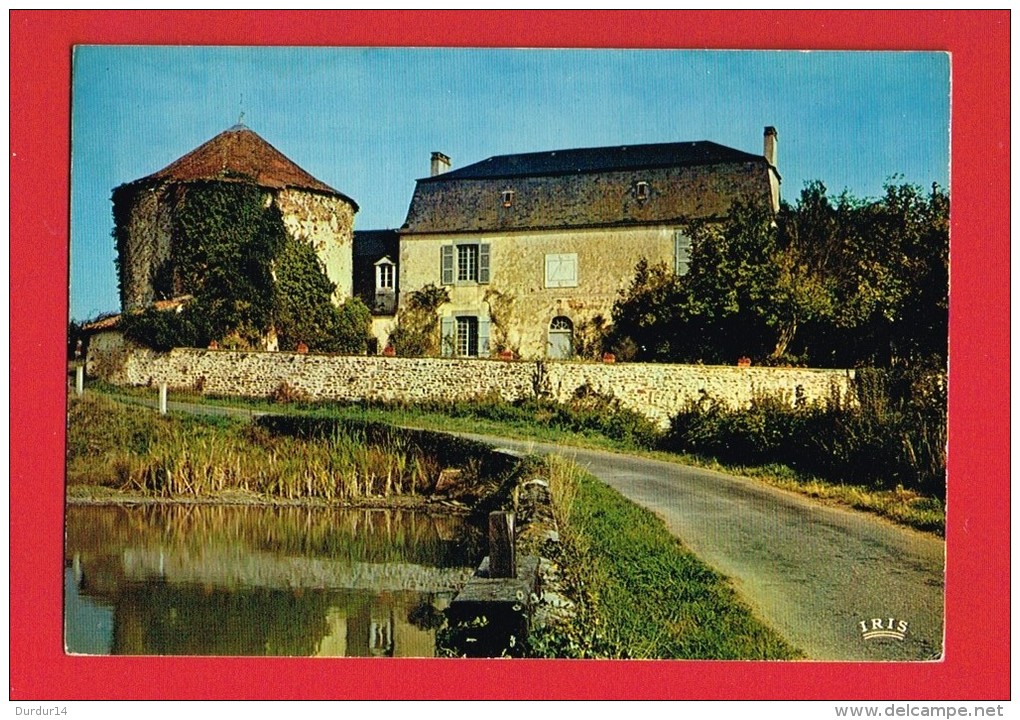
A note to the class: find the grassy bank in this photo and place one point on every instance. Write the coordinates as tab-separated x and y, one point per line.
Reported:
132	449
596	422
638	592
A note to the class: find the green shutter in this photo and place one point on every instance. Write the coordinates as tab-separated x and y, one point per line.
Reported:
483	263
483	337
448	336
681	252
446	264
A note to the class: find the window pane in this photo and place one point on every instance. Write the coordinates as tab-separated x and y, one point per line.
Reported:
467	263
467	336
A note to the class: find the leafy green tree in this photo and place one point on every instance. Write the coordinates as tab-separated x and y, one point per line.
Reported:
649	319
884	264
225	238
745	294
304	311
829	282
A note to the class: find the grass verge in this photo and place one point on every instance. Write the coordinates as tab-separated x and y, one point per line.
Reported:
638	592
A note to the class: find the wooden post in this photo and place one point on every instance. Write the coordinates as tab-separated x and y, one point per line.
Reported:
502	555
79	380
162	398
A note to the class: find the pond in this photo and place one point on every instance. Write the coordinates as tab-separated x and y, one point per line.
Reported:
233	580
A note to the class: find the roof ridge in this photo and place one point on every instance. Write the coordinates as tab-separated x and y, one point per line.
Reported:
596	159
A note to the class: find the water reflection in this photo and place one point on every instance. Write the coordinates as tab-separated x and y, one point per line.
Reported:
215	580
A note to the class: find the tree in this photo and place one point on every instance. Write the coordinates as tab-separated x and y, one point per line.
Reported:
830	282
225	239
745	293
304	310
884	264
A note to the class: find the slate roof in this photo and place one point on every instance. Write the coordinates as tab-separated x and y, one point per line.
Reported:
591	187
376	243
600	159
239	155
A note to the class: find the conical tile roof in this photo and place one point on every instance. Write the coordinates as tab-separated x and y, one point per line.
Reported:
239	155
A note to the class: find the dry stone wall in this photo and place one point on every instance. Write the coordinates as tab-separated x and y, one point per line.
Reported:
656	391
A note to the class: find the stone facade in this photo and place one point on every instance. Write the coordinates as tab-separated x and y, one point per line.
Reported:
326	222
143	245
518	301
656	391
534	249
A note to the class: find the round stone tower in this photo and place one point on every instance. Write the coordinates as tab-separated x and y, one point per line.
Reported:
144	212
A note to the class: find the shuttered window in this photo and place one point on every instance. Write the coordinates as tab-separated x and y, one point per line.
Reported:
483	263
561	270
448	336
467	263
465	336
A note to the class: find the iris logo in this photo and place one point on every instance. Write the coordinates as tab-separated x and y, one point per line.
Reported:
876	628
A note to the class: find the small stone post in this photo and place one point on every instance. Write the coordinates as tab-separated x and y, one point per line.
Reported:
162	398
79	380
502	554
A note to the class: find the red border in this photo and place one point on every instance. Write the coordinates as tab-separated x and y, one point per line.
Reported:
977	645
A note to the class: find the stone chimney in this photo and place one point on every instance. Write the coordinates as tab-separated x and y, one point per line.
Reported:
440	164
771	145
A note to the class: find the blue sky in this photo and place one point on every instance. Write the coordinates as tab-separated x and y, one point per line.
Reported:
365	120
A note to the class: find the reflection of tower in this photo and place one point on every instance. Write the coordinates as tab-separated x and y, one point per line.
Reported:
334	642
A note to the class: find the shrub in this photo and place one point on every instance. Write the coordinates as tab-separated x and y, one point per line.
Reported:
891	434
417	331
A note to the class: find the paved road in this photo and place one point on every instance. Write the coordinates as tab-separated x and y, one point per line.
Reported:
810	571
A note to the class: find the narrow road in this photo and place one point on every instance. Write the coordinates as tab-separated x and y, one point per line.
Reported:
810	571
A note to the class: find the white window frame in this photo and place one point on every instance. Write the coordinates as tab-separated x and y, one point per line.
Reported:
474	258
476	330
385	275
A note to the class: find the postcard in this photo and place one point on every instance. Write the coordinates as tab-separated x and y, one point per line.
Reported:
535	358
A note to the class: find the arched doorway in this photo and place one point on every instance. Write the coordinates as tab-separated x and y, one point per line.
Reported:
561	338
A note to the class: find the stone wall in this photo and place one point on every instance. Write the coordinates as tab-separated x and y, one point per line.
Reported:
656	391
144	244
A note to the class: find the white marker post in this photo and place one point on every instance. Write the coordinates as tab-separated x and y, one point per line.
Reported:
79	380
162	398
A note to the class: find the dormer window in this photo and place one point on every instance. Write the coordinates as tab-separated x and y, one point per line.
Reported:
642	191
508	198
385	275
